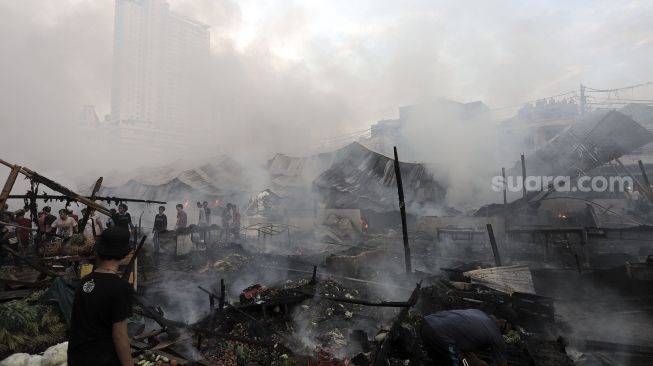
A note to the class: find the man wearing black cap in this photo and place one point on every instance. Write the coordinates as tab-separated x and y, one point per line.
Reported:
98	330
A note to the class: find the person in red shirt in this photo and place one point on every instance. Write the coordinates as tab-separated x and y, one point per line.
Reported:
182	218
73	215
24	231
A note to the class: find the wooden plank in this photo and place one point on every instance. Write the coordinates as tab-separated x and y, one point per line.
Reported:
9	184
152	333
15	294
82	222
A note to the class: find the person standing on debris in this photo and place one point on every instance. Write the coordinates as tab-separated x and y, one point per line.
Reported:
451	337
226	217
45	225
207	216
65	225
93	226
123	219
160	225
23	231
201	221
235	222
207	213
182	218
48	219
102	304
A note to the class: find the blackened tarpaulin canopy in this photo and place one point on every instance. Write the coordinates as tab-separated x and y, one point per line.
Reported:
216	178
589	143
364	179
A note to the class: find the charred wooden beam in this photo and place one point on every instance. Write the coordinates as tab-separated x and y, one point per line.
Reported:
37	266
168	326
379	358
235	338
87	214
97	198
387	304
644	175
402	211
493	243
35	177
130	266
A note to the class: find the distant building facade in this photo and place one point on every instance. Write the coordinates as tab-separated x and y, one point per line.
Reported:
160	69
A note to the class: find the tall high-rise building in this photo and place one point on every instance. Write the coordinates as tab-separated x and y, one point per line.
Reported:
160	68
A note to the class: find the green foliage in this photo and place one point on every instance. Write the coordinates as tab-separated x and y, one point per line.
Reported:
28	326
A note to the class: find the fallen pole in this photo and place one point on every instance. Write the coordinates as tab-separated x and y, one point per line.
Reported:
98	198
402	210
353	279
30	262
387	304
379	358
35	177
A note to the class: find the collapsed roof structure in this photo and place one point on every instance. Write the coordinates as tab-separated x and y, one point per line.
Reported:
589	143
362	178
216	179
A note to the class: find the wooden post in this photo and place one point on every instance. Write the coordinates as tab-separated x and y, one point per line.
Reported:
505	210
493	243
402	210
82	222
314	278
523	175
644	175
505	188
222	294
9	184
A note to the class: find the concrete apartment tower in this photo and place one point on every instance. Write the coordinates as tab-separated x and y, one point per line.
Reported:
160	69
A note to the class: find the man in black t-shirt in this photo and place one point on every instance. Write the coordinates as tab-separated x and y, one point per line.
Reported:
160	225
123	218
98	329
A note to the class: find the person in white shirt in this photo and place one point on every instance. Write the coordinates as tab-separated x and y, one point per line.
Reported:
65	225
93	226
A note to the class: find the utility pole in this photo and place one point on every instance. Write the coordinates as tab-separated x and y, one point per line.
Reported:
402	211
523	175
583	100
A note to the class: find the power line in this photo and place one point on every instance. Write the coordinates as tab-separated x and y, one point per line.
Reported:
617	89
535	100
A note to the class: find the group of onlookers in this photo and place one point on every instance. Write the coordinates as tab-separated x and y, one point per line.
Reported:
230	222
17	230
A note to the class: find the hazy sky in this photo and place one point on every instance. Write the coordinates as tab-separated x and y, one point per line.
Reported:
308	70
